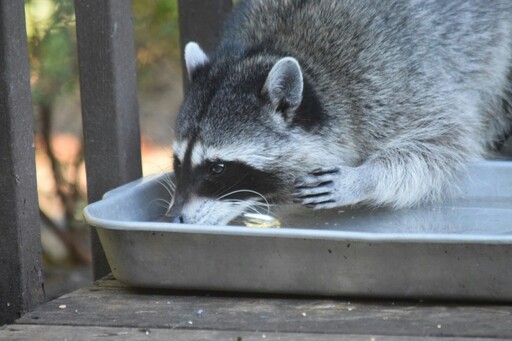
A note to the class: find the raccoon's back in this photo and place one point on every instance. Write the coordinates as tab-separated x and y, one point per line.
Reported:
390	55
344	35
345	32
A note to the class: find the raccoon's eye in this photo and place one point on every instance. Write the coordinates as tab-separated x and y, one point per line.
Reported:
217	168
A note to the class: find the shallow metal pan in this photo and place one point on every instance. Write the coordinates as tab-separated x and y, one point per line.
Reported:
459	250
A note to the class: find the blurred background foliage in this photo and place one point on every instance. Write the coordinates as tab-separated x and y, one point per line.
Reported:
156	35
51	39
52	42
56	101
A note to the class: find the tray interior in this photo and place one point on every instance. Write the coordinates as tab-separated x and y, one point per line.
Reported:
483	207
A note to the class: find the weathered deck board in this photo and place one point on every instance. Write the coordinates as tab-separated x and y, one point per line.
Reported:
109	304
50	333
20	239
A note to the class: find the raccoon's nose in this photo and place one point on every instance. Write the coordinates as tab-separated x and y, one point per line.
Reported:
174	211
173	216
177	220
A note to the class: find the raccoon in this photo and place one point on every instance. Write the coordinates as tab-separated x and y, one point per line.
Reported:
333	103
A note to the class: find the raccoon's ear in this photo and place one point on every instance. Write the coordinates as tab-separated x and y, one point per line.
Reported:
284	85
194	58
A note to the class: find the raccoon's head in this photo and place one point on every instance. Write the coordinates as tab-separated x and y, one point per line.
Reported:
236	136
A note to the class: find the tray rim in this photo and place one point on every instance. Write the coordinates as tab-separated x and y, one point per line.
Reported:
287	232
298	233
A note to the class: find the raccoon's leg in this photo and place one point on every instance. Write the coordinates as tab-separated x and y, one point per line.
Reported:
404	175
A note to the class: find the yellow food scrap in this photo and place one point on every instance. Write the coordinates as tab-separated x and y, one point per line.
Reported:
261	220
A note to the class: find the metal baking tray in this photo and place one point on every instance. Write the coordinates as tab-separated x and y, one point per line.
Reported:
461	249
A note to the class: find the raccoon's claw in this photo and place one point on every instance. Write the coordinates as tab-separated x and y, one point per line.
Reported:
322	206
330	187
305	197
317	177
325	170
318	190
315	189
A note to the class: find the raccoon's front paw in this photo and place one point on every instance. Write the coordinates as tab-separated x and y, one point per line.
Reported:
330	187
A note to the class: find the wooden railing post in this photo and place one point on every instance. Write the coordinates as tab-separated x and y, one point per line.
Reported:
108	88
202	21
21	282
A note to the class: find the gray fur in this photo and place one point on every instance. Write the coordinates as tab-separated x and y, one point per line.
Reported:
409	91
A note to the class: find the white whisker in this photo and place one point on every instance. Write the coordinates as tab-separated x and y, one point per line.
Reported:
167	182
254	203
165	185
170	188
160	202
247	191
247	205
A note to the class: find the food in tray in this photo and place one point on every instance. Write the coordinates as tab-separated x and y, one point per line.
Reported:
260	220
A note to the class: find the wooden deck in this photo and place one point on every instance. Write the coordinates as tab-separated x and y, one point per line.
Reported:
110	310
